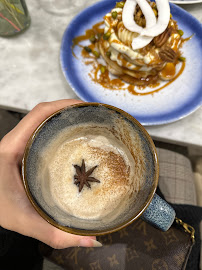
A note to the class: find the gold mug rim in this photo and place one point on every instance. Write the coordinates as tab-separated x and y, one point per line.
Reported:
85	232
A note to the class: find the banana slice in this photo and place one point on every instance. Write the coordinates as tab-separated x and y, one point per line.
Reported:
168	72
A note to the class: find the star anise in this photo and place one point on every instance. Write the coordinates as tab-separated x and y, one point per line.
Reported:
82	177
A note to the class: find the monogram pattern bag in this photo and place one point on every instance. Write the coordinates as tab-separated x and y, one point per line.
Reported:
138	246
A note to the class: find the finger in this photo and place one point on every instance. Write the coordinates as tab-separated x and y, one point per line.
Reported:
19	136
31	121
50	235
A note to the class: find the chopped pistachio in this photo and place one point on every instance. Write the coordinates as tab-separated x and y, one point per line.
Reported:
87	49
106	36
182	59
114	14
102	69
108	53
180	32
99	36
120	4
92	39
96	54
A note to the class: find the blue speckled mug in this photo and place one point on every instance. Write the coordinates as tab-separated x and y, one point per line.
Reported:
146	204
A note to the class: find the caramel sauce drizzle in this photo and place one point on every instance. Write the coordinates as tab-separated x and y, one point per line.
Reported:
188	38
89	32
104	79
117	84
131	88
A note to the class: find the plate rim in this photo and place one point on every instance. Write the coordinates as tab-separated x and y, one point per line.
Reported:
187	2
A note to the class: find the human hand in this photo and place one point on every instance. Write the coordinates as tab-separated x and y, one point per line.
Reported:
16	212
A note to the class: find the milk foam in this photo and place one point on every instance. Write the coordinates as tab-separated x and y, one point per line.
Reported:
120	177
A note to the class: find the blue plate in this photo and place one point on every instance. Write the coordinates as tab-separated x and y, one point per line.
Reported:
175	101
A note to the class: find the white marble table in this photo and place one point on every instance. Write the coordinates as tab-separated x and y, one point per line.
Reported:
30	71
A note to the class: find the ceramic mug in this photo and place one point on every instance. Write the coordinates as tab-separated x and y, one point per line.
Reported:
127	132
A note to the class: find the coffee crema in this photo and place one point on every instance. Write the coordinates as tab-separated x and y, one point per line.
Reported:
120	174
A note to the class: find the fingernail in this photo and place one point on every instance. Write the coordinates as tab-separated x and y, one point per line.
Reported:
88	242
96	243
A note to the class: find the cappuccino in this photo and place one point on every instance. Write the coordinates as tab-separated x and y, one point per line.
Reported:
120	170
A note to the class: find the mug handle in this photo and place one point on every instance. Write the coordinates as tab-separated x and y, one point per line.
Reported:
159	214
